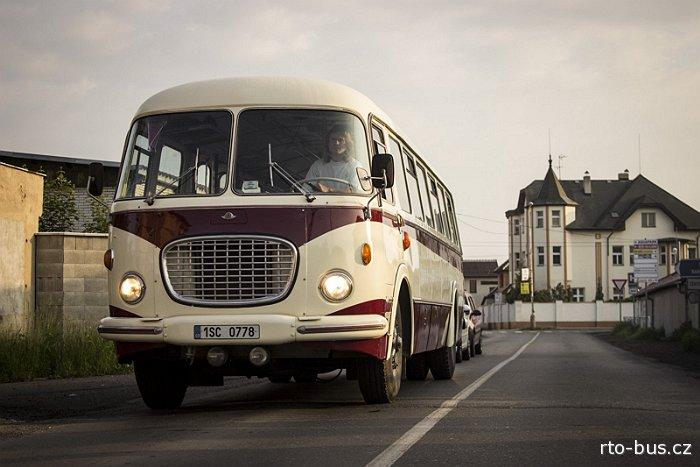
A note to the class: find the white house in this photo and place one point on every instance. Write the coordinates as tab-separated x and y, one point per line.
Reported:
579	233
480	277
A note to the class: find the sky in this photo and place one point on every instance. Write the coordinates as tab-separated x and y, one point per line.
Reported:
482	88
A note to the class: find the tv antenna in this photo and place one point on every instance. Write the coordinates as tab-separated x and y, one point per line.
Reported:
561	157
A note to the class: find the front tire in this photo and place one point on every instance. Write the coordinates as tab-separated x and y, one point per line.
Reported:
460	353
162	383
477	348
442	362
380	380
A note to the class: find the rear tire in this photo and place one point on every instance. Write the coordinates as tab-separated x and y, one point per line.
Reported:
466	354
477	348
380	380
162	383
459	356
417	368
472	347
442	362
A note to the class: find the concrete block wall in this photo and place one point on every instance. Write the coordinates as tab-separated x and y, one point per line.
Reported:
71	279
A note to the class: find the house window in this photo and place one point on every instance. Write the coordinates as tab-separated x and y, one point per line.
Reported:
692	252
540	256
648	219
578	294
556	218
516	226
631	258
472	285
674	255
556	256
617	255
662	255
540	219
517	260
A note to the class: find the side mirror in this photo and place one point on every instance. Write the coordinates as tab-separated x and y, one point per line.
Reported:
476	313
383	171
96	179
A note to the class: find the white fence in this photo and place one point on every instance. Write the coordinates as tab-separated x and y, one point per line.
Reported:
557	314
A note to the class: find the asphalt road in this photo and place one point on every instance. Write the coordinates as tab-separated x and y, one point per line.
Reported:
554	402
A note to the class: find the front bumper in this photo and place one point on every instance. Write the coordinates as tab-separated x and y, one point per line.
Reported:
274	329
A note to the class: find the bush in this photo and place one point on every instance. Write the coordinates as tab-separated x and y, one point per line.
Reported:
98	222
690	342
51	350
624	329
680	332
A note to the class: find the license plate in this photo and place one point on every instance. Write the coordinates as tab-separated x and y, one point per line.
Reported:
239	331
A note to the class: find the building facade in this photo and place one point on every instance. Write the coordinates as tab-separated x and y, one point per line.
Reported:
480	277
580	233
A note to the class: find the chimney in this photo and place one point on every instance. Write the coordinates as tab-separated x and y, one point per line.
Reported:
624	175
587	183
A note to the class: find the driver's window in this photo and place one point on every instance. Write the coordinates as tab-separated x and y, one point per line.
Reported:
380	148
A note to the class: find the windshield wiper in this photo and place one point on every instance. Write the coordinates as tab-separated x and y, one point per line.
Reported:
151	199
287	176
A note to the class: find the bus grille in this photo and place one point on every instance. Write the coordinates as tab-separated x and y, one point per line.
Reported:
229	270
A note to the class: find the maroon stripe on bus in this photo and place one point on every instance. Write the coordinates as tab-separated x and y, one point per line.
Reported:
371	307
296	224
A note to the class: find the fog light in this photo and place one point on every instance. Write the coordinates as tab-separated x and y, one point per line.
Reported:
132	288
336	286
216	356
259	356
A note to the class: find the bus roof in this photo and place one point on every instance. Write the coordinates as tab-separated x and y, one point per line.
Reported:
248	91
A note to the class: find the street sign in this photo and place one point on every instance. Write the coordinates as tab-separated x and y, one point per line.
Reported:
646	261
524	288
689	267
619	284
525	274
631	279
693	283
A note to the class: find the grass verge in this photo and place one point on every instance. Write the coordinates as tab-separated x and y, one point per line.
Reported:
53	350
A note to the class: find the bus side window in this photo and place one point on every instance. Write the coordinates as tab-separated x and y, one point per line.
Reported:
424	196
400	174
412	181
453	216
443	213
435	203
380	148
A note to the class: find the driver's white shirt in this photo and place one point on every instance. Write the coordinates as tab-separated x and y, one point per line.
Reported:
344	170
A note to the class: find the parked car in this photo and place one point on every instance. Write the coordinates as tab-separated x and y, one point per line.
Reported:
470	343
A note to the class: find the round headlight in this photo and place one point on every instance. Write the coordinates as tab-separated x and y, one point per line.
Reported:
132	288
336	286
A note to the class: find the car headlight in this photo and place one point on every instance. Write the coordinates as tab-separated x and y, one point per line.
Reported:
132	288
336	286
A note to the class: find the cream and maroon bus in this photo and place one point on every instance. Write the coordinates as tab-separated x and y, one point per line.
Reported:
278	228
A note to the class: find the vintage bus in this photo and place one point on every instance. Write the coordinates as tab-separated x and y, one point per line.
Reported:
278	228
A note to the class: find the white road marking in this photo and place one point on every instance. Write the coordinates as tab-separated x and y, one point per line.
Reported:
518	332
420	429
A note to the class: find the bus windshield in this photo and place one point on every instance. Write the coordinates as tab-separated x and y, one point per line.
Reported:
179	154
281	151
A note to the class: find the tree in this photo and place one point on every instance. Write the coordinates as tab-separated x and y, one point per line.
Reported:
98	222
59	211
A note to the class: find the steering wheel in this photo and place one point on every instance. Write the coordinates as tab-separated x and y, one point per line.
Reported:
331	179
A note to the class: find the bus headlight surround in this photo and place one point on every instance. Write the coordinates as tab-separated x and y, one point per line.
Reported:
132	288
336	285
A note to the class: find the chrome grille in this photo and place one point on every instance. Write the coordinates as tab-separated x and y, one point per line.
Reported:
229	270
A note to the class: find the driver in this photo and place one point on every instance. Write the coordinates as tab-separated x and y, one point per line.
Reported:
338	162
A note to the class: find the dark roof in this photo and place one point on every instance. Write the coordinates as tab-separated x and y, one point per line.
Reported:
665	282
58	159
479	268
503	267
551	192
611	202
